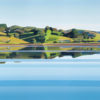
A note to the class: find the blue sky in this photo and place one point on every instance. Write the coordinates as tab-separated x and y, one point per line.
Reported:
64	14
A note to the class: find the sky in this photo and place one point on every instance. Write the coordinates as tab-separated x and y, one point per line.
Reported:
63	14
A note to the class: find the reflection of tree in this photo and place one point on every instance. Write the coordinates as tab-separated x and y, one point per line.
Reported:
76	54
46	54
49	55
2	62
3	56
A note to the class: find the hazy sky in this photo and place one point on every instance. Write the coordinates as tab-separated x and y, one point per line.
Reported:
64	14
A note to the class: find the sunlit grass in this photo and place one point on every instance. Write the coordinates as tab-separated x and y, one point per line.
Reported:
11	40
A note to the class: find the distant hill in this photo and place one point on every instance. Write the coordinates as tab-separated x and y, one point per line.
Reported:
85	35
81	32
19	35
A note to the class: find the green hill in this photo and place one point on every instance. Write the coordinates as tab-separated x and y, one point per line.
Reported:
21	35
11	40
82	35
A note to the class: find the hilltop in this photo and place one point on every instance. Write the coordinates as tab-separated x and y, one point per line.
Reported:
24	35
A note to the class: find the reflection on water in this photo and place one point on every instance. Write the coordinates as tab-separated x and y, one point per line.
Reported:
30	52
54	78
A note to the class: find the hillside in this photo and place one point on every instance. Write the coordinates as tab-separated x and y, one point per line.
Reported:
11	40
20	35
82	35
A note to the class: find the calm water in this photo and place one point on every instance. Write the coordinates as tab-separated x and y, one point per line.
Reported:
50	90
53	73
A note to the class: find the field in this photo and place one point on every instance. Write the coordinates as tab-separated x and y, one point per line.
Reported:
11	40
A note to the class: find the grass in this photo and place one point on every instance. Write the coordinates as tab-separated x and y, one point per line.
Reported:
97	38
48	39
30	37
65	38
11	40
3	34
53	38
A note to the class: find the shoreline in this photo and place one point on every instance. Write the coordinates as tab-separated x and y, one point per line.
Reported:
54	44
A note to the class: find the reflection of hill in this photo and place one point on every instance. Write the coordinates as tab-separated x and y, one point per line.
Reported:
2	62
45	55
4	55
76	54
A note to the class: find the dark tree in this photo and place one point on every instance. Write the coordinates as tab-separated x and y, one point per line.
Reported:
3	27
73	34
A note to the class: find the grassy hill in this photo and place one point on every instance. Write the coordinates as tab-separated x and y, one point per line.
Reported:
58	39
2	34
79	35
22	35
11	40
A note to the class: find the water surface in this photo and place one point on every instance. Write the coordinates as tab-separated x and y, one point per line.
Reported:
50	73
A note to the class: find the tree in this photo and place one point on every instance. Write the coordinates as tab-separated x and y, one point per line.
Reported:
47	28
41	36
19	31
73	34
13	28
34	40
3	27
7	31
48	34
28	29
85	35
